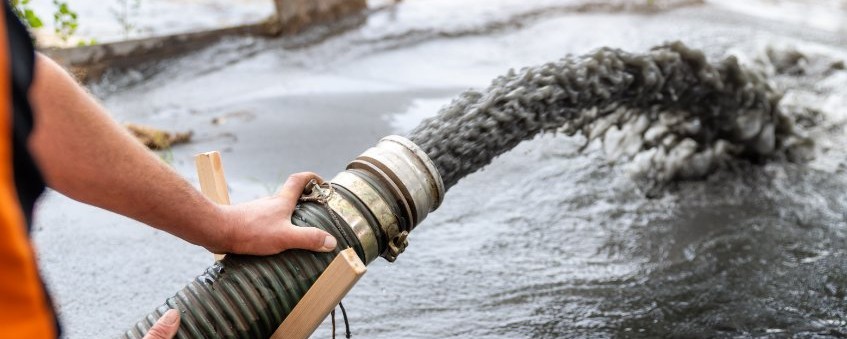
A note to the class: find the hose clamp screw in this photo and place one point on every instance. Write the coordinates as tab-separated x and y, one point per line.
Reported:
396	245
315	191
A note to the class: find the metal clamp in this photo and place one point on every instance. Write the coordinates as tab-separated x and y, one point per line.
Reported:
338	207
397	243
315	192
398	185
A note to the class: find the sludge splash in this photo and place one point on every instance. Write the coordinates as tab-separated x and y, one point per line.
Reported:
669	111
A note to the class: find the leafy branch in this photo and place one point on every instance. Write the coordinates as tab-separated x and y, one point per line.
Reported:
23	10
66	19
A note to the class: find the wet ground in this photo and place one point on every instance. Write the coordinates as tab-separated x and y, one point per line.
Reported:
546	242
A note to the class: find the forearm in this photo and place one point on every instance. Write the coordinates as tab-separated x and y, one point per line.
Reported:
87	156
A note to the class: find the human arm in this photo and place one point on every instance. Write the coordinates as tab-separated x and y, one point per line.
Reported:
87	156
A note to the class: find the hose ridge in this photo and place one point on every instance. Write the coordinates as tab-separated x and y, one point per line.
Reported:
249	296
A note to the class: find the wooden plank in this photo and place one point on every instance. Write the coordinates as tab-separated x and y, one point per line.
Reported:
333	284
210	171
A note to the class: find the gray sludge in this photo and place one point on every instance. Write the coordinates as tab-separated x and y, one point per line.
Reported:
669	111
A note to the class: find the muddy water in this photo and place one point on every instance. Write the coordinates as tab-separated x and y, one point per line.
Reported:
546	241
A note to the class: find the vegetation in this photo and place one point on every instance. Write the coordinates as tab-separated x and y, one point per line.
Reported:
27	15
124	13
66	20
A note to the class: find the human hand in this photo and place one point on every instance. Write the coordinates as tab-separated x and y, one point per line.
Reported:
166	327
263	226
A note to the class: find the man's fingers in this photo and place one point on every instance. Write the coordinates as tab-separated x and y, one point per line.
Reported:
166	327
308	238
293	187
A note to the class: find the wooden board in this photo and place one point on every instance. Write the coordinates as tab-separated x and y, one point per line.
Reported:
210	171
333	284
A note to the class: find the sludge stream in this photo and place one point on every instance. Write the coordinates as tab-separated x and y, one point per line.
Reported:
549	241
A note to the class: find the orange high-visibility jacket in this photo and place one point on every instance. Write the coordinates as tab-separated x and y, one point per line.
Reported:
25	308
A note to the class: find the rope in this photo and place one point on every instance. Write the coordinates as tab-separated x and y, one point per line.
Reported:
333	322
346	323
347	333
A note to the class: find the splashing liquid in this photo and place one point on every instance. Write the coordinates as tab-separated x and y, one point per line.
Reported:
670	111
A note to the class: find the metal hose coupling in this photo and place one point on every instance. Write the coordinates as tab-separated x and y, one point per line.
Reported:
397	184
370	207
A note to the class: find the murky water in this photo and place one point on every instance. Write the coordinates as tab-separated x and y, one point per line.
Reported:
546	241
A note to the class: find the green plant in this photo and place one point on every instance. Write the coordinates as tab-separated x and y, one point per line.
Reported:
90	42
27	15
65	19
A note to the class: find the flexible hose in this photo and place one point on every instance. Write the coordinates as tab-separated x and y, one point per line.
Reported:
245	296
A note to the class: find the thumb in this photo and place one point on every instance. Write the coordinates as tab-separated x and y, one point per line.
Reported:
308	238
166	327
